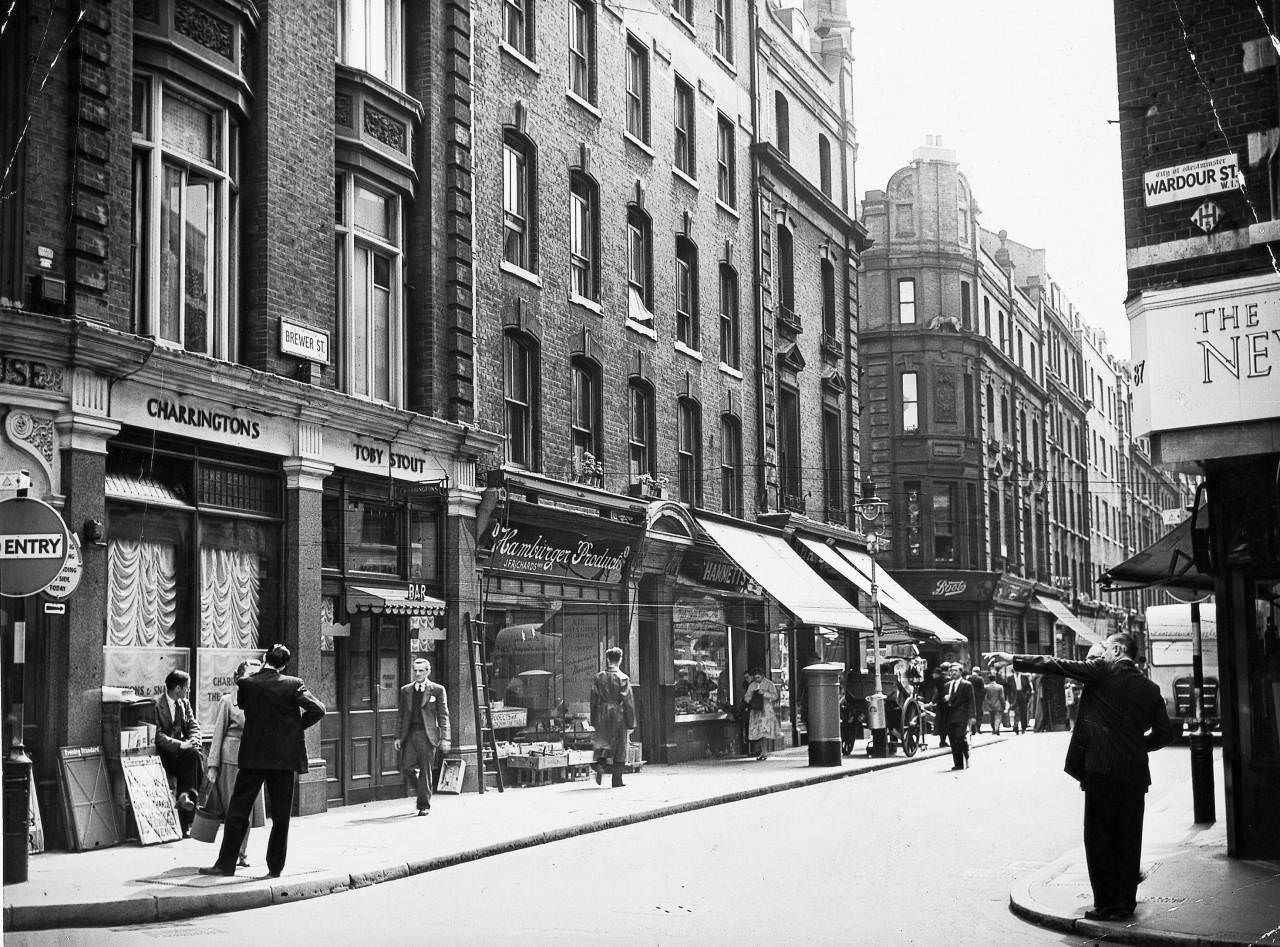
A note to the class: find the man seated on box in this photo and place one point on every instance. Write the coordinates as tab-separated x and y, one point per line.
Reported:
178	744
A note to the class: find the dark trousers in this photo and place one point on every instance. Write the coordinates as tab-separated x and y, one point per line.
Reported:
418	754
993	717
959	733
1113	812
614	755
186	767
1020	715
249	782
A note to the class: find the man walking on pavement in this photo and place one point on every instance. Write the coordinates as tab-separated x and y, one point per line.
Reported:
1122	718
277	709
613	714
961	706
978	685
1021	697
424	728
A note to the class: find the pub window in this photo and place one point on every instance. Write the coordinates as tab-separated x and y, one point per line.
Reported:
369	280
185	219
370	36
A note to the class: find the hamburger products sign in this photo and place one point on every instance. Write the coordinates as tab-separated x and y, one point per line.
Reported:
540	553
1206	355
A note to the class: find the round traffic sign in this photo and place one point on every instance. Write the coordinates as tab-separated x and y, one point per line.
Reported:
33	546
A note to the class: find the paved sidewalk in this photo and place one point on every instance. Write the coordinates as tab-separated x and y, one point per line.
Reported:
354	846
1193	893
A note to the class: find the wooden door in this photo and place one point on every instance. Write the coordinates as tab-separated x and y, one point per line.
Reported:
373	659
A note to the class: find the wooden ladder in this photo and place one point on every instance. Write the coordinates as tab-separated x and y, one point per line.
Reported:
486	745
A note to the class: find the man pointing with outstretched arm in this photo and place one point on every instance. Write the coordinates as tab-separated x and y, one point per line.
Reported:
1122	718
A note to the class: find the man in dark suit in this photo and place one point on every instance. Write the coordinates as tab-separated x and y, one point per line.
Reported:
961	707
424	728
277	709
1021	698
178	744
1122	718
979	685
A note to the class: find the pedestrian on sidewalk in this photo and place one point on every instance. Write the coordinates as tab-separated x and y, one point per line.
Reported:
424	730
277	709
224	755
762	721
979	688
961	708
942	680
1073	703
613	714
1122	718
1021	700
178	744
993	704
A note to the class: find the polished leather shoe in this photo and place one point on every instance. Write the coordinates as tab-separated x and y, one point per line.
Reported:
218	870
954	768
273	874
186	803
1109	914
424	812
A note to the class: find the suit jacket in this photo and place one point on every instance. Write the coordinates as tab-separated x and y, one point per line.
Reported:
962	705
1121	718
277	709
993	697
171	732
435	712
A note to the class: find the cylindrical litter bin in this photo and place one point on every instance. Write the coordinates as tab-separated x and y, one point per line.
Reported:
823	685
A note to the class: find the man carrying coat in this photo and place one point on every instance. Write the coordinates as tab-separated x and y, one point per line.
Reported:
277	709
424	727
1122	718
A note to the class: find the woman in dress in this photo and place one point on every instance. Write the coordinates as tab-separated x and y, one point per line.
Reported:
224	755
762	722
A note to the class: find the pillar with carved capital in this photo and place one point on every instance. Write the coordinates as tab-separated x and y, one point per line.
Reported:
462	592
304	494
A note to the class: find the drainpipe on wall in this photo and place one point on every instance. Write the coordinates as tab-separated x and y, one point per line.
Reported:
757	290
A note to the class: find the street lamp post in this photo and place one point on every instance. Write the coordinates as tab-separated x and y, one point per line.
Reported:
872	509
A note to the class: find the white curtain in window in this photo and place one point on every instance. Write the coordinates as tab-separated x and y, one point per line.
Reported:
141	594
229	585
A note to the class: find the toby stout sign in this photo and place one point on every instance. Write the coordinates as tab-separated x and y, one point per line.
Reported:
1206	354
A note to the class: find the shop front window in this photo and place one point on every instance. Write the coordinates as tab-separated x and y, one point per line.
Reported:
371	536
700	647
545	660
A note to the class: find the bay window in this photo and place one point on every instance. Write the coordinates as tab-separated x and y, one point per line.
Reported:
370	37
185	219
369	264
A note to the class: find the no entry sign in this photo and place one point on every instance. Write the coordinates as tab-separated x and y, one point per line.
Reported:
33	546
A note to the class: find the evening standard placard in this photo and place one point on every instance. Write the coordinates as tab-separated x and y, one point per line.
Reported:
1202	178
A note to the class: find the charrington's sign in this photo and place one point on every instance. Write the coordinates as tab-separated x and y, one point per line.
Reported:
544	554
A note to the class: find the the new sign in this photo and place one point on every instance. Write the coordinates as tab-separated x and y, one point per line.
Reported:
1195	179
1207	354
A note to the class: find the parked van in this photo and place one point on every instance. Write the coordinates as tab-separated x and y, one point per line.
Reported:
1169	651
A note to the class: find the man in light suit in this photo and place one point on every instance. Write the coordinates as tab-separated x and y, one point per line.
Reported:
424	728
1122	718
277	709
178	744
961	707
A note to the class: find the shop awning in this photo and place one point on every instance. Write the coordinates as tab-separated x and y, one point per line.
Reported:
1166	562
391	601
1063	614
901	602
889	634
769	559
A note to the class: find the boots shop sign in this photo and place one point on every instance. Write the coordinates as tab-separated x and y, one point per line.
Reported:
537	553
1207	354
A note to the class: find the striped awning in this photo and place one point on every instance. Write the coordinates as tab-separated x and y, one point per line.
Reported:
391	601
